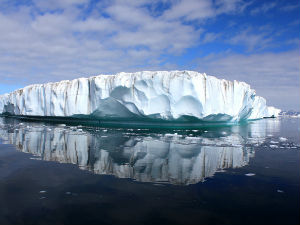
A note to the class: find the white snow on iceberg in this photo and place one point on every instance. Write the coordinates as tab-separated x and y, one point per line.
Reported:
167	95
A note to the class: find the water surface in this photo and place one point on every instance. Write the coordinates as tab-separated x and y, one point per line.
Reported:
66	174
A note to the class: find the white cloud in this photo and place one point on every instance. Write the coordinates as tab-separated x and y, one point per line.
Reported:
55	40
290	7
57	4
253	39
209	37
274	76
190	10
65	42
264	8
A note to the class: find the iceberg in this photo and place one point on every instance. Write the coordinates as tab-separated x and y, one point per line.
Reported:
155	95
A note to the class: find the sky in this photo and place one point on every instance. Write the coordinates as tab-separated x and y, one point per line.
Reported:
254	41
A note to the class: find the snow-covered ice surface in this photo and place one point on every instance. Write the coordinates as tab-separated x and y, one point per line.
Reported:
166	95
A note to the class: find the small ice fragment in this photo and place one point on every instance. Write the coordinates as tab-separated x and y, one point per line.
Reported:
35	158
273	146
62	125
280	191
274	142
224	133
195	130
79	130
250	174
43	192
68	193
270	135
282	139
21	123
104	130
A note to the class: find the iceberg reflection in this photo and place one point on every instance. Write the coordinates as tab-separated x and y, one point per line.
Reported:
184	158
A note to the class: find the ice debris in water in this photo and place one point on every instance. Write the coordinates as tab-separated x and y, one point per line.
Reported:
250	174
280	191
282	139
43	192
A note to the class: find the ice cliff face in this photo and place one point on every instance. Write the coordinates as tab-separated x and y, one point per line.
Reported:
174	95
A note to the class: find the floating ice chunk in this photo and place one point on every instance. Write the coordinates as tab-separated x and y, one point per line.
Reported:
250	174
280	191
35	158
68	193
282	139
273	146
43	192
274	142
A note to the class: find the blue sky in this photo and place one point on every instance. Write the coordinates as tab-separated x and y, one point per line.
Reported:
254	41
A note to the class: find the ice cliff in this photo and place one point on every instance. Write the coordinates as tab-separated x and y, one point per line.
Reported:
167	95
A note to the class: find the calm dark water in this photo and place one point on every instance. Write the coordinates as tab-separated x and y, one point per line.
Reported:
60	174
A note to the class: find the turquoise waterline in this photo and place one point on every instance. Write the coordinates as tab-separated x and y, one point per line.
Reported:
188	123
